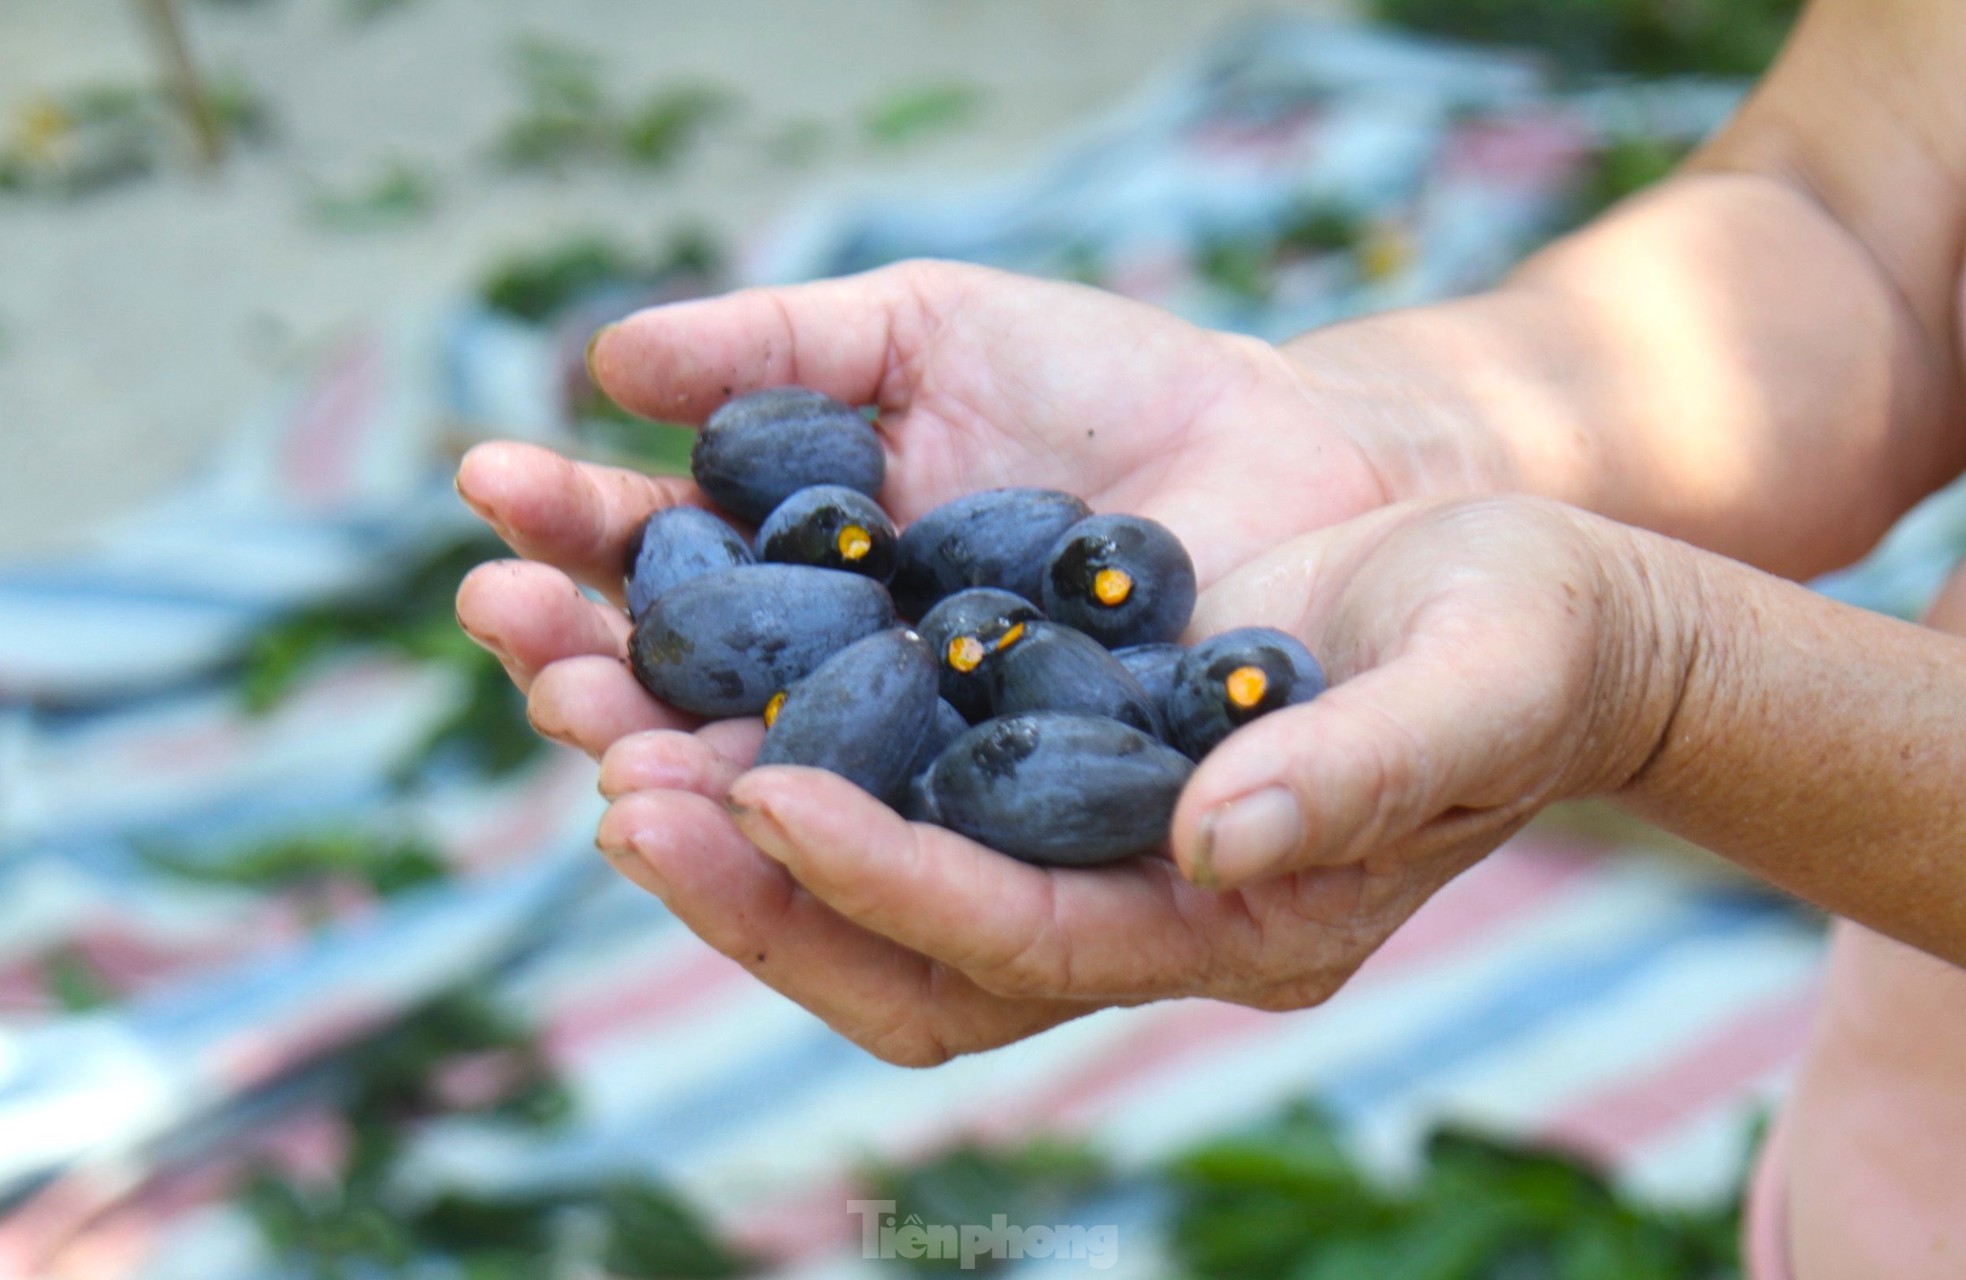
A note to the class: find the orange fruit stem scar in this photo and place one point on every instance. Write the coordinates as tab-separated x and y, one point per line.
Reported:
854	542
1246	686
965	652
1011	637
1112	586
772	708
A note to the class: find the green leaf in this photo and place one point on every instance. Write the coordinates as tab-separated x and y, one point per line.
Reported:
1646	37
656	135
76	985
1287	1202
914	113
387	865
1036	1182
396	196
652	1235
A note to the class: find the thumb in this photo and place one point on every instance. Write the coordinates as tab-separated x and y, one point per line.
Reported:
1366	764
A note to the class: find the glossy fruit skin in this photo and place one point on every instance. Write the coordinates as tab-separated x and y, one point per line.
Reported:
805	529
1199	711
1153	666
1058	789
675	545
1161	597
723	644
995	538
863	714
974	612
1054	668
761	448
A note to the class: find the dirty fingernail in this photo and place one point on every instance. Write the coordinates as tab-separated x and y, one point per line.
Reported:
761	829
593	344
1247	838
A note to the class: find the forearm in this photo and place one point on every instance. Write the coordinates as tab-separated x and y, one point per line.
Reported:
1695	364
1819	746
1760	356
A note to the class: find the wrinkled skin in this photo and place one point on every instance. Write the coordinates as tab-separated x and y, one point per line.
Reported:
982	379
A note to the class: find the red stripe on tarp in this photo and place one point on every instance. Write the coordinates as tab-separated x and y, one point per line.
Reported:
1497	893
684	981
1614	1122
321	445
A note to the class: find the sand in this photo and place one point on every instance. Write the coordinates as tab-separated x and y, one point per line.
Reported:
137	325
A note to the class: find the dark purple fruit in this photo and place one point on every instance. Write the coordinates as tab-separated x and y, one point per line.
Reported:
761	448
1153	666
1057	789
954	629
830	526
1123	580
863	714
995	538
1042	666
944	727
675	545
1230	679
721	645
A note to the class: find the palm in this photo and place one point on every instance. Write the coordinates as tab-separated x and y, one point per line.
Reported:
985	379
982	379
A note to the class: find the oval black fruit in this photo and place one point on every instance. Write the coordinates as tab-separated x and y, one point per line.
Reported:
1153	666
944	727
1042	666
995	538
956	629
1057	789
761	448
863	714
1123	580
721	645
830	526
675	545
1230	679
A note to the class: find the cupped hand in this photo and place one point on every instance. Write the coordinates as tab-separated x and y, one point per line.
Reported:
981	378
1489	657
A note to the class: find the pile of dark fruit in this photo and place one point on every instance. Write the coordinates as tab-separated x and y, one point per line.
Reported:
1040	704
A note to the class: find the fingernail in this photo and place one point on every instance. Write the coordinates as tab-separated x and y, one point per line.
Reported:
761	829
1244	838
489	643
622	849
478	508
593	376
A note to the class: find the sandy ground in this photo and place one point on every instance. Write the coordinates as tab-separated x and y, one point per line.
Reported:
136	325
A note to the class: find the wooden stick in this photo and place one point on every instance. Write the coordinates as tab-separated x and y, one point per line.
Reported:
167	25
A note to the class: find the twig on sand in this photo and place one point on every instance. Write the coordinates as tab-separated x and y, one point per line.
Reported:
167	26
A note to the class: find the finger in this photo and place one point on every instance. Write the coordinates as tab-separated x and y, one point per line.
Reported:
531	615
737	740
576	516
680	362
1114	933
895	1004
1362	767
667	761
593	702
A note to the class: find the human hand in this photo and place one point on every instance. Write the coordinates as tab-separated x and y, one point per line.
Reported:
1490	657
982	379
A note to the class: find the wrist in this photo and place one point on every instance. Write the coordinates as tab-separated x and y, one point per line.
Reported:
1654	644
1447	401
